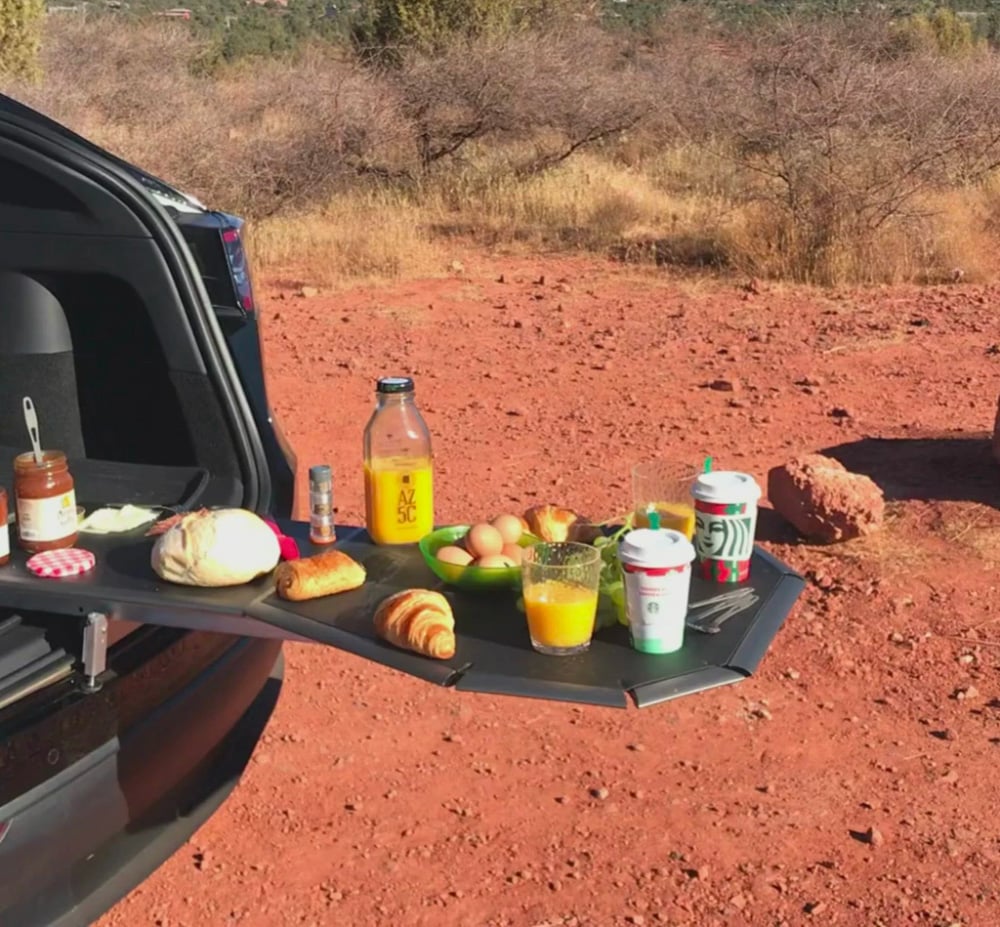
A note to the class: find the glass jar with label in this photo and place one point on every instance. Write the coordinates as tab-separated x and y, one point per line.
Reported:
45	502
399	468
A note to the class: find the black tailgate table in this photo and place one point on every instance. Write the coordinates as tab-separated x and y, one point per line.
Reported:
493	653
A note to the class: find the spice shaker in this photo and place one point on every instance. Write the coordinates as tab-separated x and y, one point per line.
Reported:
321	530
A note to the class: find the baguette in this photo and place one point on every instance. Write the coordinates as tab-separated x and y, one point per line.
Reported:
312	577
418	620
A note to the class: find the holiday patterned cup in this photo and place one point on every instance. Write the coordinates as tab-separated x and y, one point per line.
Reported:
725	508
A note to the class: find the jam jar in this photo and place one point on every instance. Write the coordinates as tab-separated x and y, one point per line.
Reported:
45	501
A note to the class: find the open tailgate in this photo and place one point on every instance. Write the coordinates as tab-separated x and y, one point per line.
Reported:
493	652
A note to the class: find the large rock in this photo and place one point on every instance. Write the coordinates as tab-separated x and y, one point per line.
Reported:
825	501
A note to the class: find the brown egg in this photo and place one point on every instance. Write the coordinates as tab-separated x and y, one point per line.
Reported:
510	528
513	552
455	555
495	562
483	540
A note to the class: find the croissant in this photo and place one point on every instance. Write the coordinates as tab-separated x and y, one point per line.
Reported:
418	620
556	523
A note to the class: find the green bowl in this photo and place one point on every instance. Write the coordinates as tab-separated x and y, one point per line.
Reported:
470	578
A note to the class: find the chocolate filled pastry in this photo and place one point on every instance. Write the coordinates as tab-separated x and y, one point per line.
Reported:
312	577
418	620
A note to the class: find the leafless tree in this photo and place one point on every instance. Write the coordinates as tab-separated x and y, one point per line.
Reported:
564	89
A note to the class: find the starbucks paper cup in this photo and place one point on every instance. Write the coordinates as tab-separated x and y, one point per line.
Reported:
725	508
656	566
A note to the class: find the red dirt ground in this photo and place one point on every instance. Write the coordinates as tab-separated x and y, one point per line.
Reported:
378	799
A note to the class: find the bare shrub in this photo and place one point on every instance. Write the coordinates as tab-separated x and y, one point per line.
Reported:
102	71
279	135
839	142
308	129
525	86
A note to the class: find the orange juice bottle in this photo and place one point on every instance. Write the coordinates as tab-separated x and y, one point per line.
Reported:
399	467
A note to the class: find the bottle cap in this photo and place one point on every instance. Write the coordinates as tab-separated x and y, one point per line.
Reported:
395	385
320	474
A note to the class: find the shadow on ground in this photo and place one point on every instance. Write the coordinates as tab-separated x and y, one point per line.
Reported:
771	527
933	468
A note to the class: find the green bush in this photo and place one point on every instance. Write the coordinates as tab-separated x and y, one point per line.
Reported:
383	28
20	37
940	30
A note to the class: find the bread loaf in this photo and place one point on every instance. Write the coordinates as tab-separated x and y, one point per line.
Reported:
221	547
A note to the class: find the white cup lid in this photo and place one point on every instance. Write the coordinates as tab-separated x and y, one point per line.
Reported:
725	486
645	547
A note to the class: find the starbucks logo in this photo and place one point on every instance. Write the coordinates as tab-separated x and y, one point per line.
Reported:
723	537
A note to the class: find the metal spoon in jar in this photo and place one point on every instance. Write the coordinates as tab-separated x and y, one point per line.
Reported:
31	421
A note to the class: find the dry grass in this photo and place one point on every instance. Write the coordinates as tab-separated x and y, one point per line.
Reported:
589	204
359	235
597	204
888	552
975	529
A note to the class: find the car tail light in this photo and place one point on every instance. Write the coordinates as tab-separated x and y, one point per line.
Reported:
4	827
237	257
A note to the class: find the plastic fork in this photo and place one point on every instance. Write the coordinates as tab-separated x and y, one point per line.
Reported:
721	612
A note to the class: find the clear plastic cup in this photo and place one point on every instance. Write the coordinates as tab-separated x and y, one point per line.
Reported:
664	487
560	583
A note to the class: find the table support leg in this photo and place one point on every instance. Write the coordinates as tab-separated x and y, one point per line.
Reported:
95	650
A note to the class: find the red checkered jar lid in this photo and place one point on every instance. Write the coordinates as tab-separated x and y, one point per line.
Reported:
52	564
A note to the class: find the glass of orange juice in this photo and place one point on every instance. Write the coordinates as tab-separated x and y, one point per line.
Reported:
664	487
560	582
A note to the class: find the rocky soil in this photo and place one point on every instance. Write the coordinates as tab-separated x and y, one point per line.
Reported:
853	781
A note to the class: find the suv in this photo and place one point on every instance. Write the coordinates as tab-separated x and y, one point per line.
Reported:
127	314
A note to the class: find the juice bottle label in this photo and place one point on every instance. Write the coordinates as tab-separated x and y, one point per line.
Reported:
399	500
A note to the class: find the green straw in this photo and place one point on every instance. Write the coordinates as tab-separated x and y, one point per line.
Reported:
707	466
654	519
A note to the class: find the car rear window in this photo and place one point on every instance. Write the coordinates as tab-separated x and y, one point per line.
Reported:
206	245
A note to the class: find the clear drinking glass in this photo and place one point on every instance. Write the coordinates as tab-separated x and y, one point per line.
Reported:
664	487
560	582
